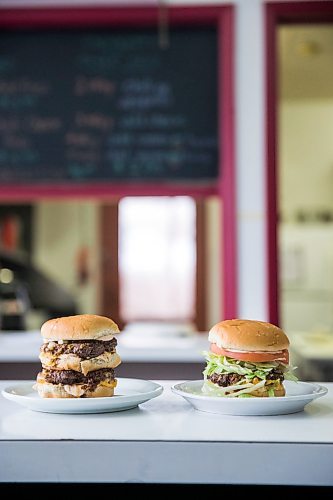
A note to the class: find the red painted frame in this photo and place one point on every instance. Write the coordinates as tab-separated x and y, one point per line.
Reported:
220	16
277	14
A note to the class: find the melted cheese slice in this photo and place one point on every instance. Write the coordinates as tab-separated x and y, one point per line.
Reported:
105	338
107	383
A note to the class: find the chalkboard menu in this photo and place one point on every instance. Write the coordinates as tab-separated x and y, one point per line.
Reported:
105	105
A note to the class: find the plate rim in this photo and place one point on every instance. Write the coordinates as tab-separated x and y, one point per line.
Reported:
7	394
321	391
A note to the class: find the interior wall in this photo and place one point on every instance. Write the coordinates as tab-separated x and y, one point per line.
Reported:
306	158
61	230
307	276
306	177
306	209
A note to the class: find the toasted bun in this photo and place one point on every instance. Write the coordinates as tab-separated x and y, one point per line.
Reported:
248	335
57	391
73	362
49	390
79	327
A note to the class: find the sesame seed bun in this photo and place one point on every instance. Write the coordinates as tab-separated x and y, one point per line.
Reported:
248	335
79	327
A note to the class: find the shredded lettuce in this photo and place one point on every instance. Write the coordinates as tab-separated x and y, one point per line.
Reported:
248	370
211	388
271	392
288	374
232	391
224	364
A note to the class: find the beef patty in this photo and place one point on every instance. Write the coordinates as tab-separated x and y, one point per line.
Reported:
226	379
275	374
70	377
84	349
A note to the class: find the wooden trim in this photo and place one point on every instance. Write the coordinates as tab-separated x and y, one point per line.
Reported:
201	267
109	271
277	14
28	193
300	12
227	184
271	169
99	16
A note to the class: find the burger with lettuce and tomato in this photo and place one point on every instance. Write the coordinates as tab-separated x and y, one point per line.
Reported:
247	359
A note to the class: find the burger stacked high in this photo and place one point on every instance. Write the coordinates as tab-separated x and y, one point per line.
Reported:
247	359
78	357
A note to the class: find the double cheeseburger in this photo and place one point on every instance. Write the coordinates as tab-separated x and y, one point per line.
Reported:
78	357
247	359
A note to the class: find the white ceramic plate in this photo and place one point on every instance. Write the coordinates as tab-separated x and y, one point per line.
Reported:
129	393
298	394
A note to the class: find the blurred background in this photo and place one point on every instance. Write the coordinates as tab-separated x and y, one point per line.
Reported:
157	259
134	259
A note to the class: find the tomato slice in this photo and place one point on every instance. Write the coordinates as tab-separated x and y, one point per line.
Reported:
260	357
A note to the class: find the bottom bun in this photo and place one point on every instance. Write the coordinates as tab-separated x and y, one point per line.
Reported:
48	390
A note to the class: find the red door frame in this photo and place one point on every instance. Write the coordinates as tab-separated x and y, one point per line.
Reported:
224	187
277	14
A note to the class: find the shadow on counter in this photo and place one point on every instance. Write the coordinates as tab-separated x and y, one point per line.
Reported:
195	489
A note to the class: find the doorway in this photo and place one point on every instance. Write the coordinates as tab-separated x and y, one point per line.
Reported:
284	16
299	82
305	176
160	260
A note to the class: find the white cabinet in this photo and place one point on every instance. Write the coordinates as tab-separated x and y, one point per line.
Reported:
306	276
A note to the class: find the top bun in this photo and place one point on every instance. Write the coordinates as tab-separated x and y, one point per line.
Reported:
79	327
248	335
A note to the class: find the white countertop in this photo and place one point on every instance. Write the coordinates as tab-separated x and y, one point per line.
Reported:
166	440
24	347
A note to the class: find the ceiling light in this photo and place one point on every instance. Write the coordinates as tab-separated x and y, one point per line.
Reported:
6	275
308	48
